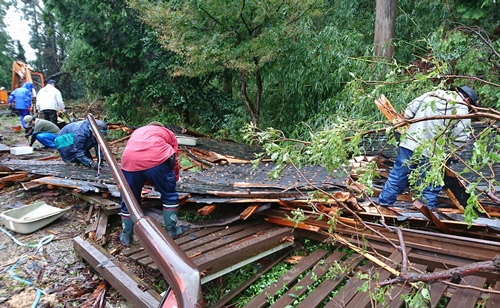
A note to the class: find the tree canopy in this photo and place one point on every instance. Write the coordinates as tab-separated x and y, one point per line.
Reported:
215	65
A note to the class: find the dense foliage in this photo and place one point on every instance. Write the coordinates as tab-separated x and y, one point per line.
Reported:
7	47
185	61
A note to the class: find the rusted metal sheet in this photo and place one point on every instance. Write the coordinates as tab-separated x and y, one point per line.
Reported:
58	168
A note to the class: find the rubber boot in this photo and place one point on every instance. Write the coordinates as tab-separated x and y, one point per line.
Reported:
170	219
128	230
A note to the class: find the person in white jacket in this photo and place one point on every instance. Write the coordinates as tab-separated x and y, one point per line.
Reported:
48	100
433	103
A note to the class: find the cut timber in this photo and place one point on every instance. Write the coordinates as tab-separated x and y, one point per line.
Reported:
18	176
102	231
428	213
109	206
289	223
248	211
206	210
389	112
124	281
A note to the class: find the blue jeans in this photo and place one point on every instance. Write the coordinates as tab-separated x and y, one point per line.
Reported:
398	180
162	177
47	139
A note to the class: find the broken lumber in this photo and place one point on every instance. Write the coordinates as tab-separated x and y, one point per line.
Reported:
135	291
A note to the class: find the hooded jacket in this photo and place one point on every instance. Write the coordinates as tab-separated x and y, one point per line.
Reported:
49	98
148	147
22	96
434	104
75	140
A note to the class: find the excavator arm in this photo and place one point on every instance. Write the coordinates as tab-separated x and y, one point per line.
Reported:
21	73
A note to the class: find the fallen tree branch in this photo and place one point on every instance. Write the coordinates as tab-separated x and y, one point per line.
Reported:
455	273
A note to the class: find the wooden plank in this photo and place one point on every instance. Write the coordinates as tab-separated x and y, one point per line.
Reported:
285	280
292	224
248	211
234	266
111	207
470	248
102	231
192	235
326	287
467	298
131	287
213	261
18	176
236	291
345	294
222	238
362	299
393	299
206	210
437	291
428	213
320	269
389	112
224	235
132	250
493	300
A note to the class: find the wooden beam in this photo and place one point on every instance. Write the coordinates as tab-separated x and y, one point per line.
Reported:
131	287
248	211
428	213
206	210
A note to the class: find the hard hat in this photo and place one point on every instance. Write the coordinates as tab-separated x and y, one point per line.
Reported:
469	92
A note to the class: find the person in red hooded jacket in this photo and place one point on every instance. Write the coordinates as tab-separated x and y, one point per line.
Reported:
151	155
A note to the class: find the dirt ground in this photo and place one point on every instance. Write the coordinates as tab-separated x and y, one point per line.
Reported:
63	279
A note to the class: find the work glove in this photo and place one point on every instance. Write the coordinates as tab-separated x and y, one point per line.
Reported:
93	165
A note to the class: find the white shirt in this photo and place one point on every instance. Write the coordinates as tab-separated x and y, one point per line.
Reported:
49	98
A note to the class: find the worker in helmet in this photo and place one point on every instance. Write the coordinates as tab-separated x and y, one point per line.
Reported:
458	101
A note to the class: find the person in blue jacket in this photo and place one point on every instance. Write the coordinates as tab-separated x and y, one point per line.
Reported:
75	140
22	100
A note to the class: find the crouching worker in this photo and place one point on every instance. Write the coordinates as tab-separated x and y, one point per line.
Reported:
75	140
151	155
42	130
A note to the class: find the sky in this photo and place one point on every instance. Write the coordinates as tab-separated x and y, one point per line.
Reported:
18	29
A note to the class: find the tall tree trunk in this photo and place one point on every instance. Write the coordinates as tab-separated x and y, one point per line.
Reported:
385	28
253	116
228	82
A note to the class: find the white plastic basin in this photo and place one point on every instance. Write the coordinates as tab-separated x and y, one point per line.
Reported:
29	218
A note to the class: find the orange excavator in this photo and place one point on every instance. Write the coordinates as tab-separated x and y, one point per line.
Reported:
21	73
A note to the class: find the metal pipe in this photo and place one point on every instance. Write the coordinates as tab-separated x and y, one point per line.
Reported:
180	272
